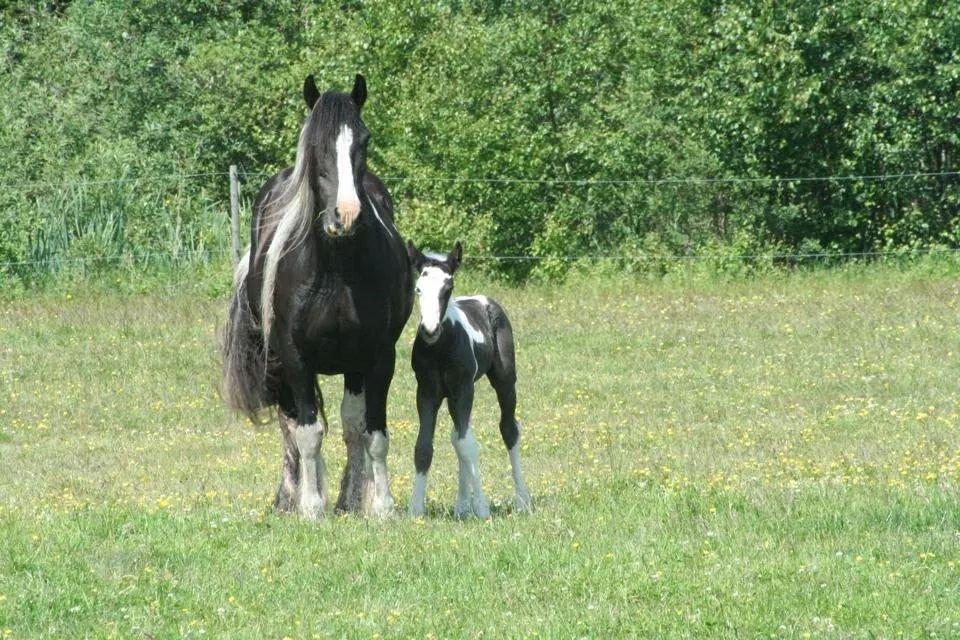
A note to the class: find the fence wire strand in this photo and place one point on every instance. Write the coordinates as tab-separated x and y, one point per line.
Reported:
692	180
509	180
188	255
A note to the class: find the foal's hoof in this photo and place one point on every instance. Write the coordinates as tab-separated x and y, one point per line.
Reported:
462	510
466	510
481	509
523	503
417	510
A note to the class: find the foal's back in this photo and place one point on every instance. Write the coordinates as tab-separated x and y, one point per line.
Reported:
477	342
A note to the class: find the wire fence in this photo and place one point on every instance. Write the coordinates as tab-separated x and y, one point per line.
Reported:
187	256
693	180
139	257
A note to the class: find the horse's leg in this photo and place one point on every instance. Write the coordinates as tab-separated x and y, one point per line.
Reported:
353	418
310	429
289	489
377	500
428	403
468	454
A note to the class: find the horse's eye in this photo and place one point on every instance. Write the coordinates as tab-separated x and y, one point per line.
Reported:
418	291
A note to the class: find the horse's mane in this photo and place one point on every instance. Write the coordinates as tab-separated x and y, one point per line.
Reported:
287	216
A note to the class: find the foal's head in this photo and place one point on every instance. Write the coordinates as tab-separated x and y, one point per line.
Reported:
434	286
335	141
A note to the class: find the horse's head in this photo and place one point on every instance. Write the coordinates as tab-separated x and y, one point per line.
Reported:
336	141
434	287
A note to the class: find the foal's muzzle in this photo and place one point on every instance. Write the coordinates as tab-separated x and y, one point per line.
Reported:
430	336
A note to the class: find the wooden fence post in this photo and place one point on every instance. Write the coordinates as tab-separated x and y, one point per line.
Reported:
235	213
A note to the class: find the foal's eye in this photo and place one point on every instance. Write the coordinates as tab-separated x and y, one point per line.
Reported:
418	291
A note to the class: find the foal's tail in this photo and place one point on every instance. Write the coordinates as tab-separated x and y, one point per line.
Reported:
241	350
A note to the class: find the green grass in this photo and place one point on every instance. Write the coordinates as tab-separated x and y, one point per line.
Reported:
777	457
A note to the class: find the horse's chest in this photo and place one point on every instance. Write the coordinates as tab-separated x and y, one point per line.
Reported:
344	326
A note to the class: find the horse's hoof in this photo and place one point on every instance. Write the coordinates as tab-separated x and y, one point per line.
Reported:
311	509
381	507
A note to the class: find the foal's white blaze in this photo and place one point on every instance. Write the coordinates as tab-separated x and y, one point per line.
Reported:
348	203
468	454
313	490
430	284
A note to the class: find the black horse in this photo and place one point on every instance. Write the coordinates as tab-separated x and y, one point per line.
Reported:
325	289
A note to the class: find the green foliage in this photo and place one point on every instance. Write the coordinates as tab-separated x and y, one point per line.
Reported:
574	90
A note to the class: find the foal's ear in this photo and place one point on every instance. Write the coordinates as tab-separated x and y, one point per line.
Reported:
456	256
359	93
414	255
310	92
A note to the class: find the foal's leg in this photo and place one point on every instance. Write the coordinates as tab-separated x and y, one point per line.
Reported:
503	379
353	413
377	500
428	403
510	432
468	455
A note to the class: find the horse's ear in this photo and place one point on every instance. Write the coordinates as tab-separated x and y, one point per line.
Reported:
359	93
310	92
414	255
456	256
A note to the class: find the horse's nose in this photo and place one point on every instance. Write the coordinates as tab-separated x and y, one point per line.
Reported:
347	212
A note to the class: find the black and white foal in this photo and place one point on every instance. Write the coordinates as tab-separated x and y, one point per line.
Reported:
458	341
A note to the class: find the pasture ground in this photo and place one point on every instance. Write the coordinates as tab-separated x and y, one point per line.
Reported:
777	457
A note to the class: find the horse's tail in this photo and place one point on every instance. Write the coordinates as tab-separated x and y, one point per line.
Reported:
241	350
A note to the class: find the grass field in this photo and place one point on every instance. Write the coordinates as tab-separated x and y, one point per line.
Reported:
769	458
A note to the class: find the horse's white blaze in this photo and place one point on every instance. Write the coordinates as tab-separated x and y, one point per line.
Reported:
348	203
468	454
430	284
418	502
313	491
458	317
